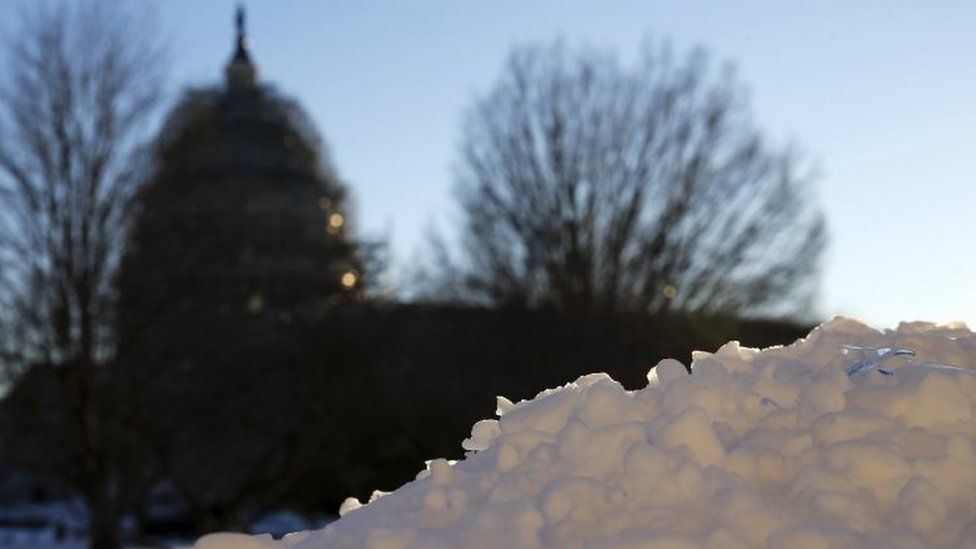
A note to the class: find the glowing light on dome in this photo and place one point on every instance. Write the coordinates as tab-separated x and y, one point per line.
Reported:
670	291
349	279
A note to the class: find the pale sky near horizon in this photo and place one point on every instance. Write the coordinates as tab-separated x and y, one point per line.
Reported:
880	95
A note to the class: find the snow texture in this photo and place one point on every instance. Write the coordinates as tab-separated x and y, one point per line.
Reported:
779	448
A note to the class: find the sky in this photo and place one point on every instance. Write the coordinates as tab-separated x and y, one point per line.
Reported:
881	97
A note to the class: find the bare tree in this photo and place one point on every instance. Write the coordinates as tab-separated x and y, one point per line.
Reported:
585	184
82	84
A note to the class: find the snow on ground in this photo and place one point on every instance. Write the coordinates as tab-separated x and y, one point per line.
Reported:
45	545
842	439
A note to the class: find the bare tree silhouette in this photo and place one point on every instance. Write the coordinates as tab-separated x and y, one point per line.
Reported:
585	184
83	83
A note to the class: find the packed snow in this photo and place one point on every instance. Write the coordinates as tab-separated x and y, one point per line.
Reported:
847	438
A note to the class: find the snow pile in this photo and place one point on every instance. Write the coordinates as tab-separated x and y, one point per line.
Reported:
842	439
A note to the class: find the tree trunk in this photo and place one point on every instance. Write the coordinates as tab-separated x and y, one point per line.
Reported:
103	524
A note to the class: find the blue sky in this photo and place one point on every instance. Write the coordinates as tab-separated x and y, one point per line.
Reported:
881	96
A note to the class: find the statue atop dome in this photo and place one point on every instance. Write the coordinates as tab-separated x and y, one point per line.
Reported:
240	71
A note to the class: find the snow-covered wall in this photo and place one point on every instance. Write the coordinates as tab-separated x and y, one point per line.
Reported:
842	439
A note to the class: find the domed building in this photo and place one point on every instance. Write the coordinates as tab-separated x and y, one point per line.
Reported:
240	247
243	217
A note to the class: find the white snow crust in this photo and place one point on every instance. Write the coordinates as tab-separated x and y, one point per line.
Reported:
775	448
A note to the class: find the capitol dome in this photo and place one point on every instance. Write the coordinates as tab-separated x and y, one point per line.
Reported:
243	215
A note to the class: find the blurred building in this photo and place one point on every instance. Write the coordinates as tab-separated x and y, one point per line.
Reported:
240	243
243	215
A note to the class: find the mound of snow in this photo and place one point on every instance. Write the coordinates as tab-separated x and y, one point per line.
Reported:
842	439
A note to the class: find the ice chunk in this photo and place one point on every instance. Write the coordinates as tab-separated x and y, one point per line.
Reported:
482	435
693	430
666	372
502	405
871	358
349	504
